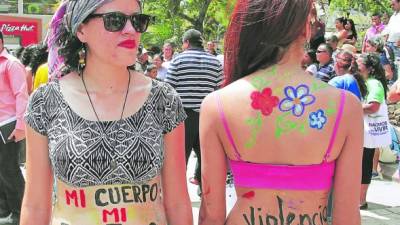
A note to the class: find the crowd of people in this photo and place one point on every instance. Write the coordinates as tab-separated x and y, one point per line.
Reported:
109	128
367	72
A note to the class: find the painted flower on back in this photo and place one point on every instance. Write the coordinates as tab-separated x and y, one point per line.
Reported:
296	99
264	101
317	119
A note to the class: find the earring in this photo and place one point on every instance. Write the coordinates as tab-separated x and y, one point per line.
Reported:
82	58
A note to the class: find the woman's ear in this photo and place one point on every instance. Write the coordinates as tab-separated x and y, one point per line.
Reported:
80	34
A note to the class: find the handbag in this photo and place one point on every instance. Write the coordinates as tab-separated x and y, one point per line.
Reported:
387	155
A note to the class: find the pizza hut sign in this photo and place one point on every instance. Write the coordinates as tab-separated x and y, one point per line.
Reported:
27	31
11	28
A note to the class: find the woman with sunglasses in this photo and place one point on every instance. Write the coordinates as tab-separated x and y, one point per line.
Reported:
112	137
287	137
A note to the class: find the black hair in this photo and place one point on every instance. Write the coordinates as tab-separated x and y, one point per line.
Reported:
1	36
353	28
18	52
69	48
195	43
328	48
351	65
312	54
376	71
39	57
377	14
260	33
360	81
27	53
342	20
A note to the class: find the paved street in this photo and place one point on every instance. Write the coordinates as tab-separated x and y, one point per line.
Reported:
384	199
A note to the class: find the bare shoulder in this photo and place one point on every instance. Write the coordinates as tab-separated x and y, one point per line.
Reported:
209	104
71	79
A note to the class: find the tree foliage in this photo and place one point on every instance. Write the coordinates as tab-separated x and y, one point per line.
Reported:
365	6
174	17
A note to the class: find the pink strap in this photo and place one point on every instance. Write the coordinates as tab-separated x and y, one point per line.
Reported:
226	127
336	126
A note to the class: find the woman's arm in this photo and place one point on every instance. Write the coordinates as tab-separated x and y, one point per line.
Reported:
342	35
394	92
176	198
29	81
36	205
347	181
388	71
213	166
352	41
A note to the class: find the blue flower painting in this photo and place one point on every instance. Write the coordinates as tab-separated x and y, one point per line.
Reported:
317	119
296	99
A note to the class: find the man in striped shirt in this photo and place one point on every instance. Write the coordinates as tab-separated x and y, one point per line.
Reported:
194	74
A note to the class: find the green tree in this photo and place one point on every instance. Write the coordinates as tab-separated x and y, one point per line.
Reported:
173	17
366	6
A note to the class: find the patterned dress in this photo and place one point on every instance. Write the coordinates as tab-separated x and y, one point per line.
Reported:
106	172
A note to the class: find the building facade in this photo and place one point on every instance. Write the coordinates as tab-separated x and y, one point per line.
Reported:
25	22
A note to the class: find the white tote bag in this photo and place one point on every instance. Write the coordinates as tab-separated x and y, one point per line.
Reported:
376	128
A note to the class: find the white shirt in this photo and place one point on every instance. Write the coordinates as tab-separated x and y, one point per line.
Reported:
393	28
312	69
166	64
162	73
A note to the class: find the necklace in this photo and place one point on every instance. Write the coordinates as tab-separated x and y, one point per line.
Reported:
113	163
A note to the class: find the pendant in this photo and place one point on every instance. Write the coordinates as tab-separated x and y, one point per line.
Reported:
113	164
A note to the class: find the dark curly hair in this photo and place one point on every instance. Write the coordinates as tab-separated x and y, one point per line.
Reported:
18	52
39	56
69	48
27	53
376	71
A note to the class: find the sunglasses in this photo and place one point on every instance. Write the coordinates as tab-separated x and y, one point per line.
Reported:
116	21
320	51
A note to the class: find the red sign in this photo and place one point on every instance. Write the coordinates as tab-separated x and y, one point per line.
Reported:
29	30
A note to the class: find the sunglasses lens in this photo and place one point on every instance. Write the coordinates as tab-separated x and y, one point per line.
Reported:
114	22
140	22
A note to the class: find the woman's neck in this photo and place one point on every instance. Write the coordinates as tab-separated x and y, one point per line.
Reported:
102	77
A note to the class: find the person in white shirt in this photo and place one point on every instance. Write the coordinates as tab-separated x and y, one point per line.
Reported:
168	54
161	70
392	32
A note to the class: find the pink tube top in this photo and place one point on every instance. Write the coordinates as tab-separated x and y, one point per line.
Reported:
283	177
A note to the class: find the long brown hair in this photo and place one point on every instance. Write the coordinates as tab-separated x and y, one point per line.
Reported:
260	32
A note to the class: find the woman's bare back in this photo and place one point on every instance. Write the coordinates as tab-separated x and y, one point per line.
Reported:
267	130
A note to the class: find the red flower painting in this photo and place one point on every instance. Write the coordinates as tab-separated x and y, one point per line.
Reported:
264	101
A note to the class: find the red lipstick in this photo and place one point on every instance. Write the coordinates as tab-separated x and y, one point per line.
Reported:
130	44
